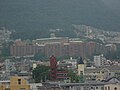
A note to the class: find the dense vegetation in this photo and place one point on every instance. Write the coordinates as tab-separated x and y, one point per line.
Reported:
41	73
34	18
75	78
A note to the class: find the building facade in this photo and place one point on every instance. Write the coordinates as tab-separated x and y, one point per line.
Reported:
99	60
80	86
59	47
15	83
112	86
58	72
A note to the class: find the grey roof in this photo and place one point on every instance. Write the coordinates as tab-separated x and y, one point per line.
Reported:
56	84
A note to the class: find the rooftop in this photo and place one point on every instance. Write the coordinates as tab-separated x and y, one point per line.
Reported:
80	60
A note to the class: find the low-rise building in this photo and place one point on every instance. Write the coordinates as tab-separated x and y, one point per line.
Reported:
101	73
18	83
15	83
112	86
79	86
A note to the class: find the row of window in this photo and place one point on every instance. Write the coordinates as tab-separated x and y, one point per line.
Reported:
108	88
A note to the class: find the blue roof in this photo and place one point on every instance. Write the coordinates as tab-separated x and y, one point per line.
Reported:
80	60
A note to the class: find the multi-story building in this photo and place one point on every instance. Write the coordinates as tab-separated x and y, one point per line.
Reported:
22	48
76	49
93	74
53	49
15	83
53	67
60	47
58	72
99	60
65	50
90	48
101	73
62	74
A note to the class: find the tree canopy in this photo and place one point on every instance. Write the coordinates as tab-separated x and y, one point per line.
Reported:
41	73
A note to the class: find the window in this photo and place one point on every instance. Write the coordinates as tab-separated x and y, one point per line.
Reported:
81	72
108	87
115	88
96	87
105	88
7	89
19	81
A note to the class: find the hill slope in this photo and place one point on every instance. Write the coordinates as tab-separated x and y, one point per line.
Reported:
34	18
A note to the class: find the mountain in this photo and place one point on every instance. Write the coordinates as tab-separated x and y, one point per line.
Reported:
34	18
113	4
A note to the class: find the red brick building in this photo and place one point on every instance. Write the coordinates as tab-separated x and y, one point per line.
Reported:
21	48
57	47
76	49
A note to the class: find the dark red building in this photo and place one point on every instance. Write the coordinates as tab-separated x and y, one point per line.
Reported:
53	67
58	72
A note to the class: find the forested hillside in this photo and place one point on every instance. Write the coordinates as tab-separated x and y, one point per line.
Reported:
34	18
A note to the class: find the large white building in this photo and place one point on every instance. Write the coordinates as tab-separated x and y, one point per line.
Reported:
99	60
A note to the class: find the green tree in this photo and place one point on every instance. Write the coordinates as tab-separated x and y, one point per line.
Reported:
73	76
6	49
81	78
41	73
